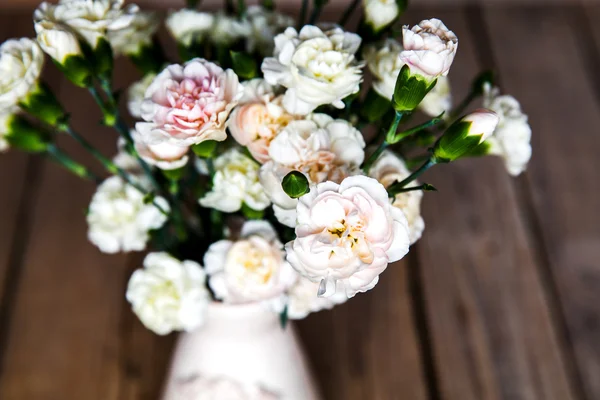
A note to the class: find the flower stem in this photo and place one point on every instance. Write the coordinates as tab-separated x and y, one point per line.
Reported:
403	135
241	8
348	12
71	165
314	15
302	15
426	187
462	106
390	133
398	186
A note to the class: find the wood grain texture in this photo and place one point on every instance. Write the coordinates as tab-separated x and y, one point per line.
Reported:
491	327
563	175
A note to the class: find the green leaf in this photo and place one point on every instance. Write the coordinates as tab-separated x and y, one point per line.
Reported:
204	149
402	4
243	65
295	184
426	187
251	213
374	107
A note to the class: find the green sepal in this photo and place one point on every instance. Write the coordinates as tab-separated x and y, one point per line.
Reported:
149	58
426	187
149	198
42	104
480	80
481	150
244	65
22	135
251	213
295	184
455	142
77	69
283	317
174	174
374	107
103	59
205	149
410	90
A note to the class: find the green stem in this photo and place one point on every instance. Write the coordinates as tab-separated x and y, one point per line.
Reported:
425	187
241	8
460	108
302	15
314	15
348	12
71	165
108	163
390	133
398	186
403	135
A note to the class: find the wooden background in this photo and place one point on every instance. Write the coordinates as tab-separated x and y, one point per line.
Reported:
499	300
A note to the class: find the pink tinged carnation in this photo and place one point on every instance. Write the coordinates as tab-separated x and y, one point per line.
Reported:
165	156
429	48
347	234
188	104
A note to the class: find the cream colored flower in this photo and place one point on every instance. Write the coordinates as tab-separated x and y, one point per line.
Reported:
57	40
169	295
250	269
302	299
188	104
258	118
346	235
188	25
429	48
89	19
139	33
119	219
235	182
321	148
226	29
383	60
438	100
221	388
316	67
21	62
512	138
165	156
136	93
380	13
388	169
264	25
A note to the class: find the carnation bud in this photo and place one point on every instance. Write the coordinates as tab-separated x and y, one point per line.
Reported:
410	90
465	135
295	184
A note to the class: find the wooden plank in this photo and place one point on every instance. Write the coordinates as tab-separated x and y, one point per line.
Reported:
63	340
491	326
563	179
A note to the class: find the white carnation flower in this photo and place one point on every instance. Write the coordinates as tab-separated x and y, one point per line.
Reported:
302	299
316	67
388	169
346	235
187	25
136	94
512	138
139	33
57	40
21	62
169	295
383	60
235	182
90	19
165	155
250	269
438	100
322	148
264	25
119	219
227	29
380	13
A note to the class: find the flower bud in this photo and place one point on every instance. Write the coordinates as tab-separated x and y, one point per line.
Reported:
42	104
465	135
410	90
21	134
382	13
295	184
60	43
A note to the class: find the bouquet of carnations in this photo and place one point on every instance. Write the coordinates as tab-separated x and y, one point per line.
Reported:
264	167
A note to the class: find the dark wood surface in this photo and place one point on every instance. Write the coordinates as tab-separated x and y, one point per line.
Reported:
499	300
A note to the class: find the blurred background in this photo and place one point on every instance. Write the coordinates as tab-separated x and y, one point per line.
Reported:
500	299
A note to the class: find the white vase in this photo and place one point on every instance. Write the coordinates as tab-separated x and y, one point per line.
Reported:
245	344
